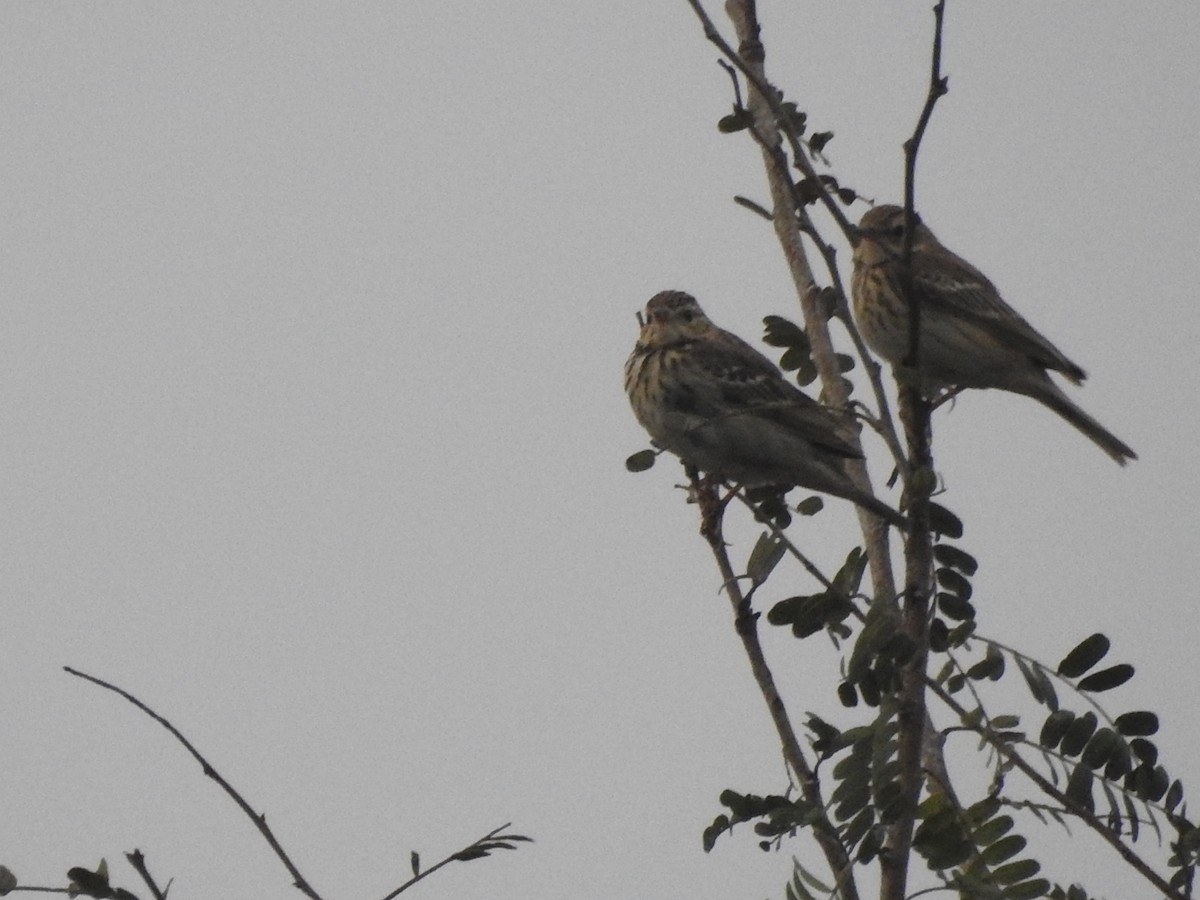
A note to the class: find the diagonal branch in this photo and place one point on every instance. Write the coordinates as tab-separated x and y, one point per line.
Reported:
746	624
260	821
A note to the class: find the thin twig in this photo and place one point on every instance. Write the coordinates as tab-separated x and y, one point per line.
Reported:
938	86
746	624
492	836
771	97
911	714
260	821
138	861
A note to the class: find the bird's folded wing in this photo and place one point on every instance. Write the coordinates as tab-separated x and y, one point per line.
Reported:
744	382
953	287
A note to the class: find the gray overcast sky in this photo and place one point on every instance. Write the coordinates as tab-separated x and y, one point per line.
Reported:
313	432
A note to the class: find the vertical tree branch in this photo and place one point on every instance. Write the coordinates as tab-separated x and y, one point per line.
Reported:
750	58
918	575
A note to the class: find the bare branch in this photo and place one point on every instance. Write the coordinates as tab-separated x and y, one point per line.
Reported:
260	821
918	577
746	624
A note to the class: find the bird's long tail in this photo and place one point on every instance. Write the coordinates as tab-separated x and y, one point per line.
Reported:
1052	397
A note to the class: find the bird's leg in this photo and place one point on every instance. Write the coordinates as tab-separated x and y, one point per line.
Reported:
707	492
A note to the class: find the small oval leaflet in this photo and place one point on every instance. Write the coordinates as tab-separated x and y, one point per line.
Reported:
1055	728
1140	723
1085	655
641	461
1107	679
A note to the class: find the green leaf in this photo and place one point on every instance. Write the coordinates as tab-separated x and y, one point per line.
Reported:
1004	849
720	825
850	575
880	626
1144	750
1174	796
1079	787
1032	683
414	860
818	140
938	634
857	829
89	882
982	811
810	506
872	842
953	582
795	118
988	667
955	608
806	374
1119	762
960	633
847	696
1106	679
949	555
1137	724
8	881
641	461
1100	748
781	332
1021	870
736	121
794	358
1055	728
1027	890
944	522
1037	682
868	689
765	556
813	881
992	831
809	614
1078	734
1085	655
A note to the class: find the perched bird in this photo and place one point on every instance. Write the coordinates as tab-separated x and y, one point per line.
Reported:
969	337
717	403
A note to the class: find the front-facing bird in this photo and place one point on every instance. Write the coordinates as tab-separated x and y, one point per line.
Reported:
969	338
717	403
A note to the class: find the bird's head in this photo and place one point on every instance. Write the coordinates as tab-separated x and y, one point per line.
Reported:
673	316
881	235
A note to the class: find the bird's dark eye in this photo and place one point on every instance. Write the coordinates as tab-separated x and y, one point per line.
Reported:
898	230
687	315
